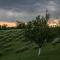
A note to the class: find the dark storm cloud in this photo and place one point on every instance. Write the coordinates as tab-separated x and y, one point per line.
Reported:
27	9
21	4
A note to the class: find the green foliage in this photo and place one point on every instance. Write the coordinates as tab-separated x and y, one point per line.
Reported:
52	33
29	52
38	31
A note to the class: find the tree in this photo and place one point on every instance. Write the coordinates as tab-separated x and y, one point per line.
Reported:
4	26
0	26
47	15
38	17
38	32
20	25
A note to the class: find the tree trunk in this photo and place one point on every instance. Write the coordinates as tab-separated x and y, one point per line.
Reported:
39	51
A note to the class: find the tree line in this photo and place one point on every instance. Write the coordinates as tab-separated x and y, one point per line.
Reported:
19	26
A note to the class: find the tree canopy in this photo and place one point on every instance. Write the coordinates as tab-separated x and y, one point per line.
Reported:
38	31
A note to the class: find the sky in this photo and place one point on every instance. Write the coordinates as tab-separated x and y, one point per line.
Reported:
26	10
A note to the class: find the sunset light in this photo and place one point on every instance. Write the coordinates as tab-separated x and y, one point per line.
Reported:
9	24
53	22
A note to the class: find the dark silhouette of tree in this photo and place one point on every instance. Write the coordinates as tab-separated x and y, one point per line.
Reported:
38	31
4	26
47	15
20	25
38	17
0	27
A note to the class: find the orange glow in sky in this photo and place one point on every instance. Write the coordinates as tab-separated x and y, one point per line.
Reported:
53	22
9	24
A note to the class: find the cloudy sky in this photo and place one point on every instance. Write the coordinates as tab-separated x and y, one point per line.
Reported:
25	10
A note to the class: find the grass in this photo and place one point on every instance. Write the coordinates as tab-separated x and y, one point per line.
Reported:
12	41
